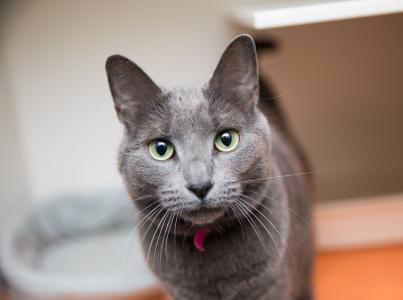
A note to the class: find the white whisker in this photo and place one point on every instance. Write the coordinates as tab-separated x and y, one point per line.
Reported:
163	227
238	219
275	200
174	237
132	232
286	175
117	207
274	227
266	229
250	221
152	239
172	218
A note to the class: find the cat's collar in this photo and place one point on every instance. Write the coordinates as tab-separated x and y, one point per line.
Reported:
200	237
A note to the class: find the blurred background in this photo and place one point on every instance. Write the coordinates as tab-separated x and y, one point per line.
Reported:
338	76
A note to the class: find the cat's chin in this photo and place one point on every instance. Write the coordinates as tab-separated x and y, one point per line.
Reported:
203	216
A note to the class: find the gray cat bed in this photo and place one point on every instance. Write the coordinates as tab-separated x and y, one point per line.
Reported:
75	246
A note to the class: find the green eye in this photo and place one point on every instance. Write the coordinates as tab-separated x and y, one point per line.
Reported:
226	140
161	150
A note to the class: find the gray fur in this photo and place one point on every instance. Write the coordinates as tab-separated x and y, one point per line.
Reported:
260	241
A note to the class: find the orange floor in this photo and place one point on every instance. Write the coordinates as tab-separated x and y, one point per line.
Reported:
374	274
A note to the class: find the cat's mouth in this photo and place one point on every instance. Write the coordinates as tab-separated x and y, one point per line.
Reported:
203	215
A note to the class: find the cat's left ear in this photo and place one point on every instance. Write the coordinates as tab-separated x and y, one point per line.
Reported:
236	77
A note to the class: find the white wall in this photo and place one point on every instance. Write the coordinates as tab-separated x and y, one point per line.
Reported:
55	53
13	181
340	83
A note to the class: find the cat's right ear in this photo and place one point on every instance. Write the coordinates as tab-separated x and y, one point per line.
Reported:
130	86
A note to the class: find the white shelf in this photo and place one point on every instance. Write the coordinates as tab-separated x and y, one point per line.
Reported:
361	222
282	13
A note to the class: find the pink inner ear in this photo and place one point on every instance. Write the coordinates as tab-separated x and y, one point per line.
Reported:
200	238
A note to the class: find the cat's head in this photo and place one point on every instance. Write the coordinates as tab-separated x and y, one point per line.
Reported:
192	151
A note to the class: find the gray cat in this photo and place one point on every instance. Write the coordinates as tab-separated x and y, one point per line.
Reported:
220	186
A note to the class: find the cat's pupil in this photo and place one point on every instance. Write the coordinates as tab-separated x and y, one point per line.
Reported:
226	138
161	147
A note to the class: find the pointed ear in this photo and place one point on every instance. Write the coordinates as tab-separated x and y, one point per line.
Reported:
236	76
130	87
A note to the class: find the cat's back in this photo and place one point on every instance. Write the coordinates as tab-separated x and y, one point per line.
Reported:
294	172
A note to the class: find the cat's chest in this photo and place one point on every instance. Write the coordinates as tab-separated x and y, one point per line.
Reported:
228	258
221	272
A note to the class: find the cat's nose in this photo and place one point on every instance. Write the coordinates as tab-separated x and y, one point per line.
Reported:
200	189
